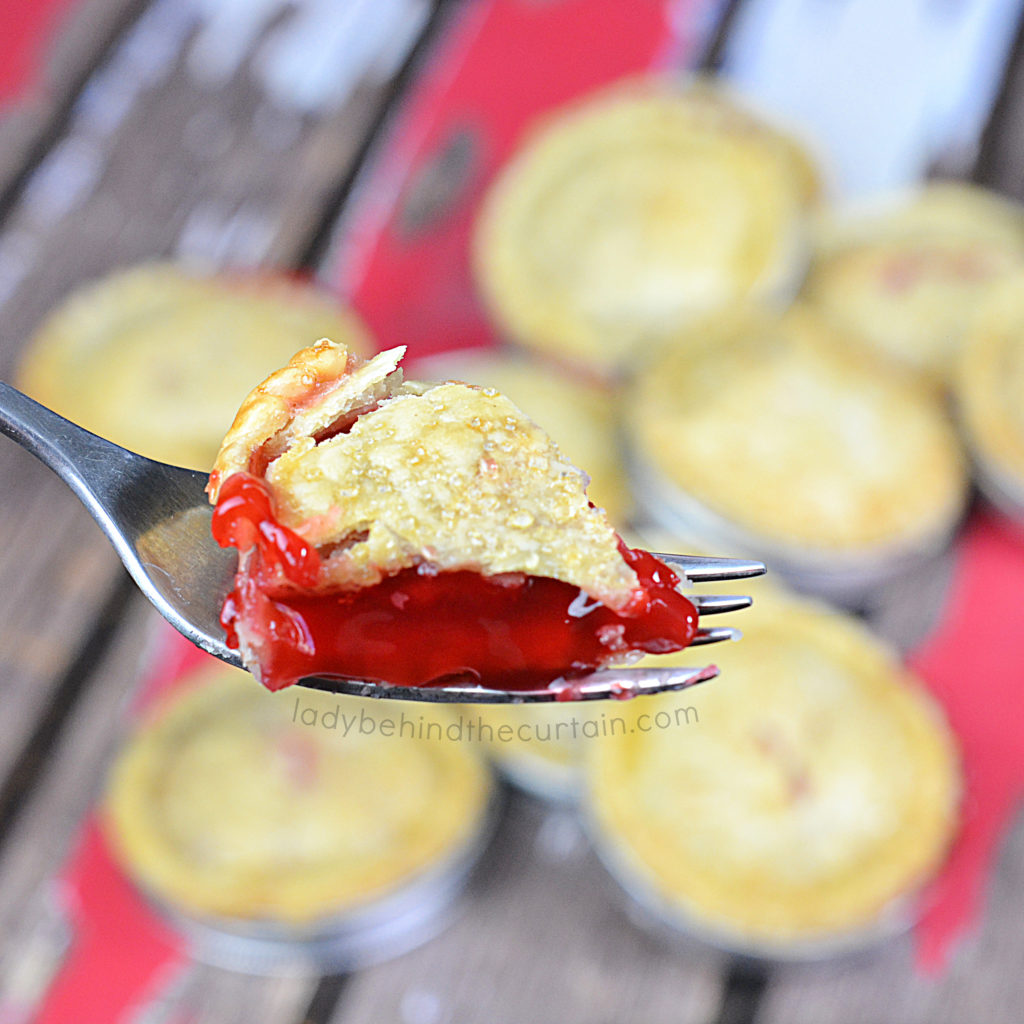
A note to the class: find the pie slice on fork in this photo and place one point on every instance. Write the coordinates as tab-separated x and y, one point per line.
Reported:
417	533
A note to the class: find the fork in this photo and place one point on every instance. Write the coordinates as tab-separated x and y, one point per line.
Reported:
158	519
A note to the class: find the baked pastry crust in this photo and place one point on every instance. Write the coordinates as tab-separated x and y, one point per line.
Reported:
579	415
907	278
809	447
990	388
157	359
816	786
450	475
627	213
223	805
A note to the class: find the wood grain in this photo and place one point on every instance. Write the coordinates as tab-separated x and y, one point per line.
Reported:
74	774
55	571
29	125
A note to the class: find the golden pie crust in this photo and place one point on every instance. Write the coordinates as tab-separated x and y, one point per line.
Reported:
578	414
229	803
802	796
448	475
906	278
157	359
772	424
990	387
624	215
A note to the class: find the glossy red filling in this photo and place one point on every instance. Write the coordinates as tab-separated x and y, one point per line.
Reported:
421	627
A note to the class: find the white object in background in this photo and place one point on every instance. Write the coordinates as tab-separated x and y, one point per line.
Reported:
308	55
882	87
317	56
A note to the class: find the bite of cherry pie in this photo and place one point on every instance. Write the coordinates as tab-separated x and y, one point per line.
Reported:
420	533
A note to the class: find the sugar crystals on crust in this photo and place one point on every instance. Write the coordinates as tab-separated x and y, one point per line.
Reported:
414	534
382	475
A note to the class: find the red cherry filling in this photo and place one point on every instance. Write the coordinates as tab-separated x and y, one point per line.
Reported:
421	627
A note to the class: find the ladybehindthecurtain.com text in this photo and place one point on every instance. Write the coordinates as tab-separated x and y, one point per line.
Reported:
475	728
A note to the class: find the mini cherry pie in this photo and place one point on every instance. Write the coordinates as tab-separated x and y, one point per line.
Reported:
416	533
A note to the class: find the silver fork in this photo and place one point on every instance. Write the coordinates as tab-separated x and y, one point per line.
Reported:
158	519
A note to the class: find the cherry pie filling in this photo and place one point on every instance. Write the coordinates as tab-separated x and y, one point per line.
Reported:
422	626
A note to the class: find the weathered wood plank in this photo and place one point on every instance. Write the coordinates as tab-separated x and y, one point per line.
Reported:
55	571
1000	163
542	938
218	176
210	995
79	43
74	773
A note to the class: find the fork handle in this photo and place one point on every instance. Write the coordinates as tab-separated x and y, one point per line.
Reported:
118	487
66	448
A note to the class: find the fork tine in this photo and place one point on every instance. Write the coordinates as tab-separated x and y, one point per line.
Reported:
715	604
634	681
708	569
714	636
598	685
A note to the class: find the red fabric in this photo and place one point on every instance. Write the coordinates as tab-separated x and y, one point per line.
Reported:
120	950
503	63
26	27
974	664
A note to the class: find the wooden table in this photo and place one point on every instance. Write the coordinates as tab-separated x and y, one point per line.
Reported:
114	164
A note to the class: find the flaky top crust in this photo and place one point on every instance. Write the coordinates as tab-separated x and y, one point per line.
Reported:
626	214
906	278
809	447
577	413
156	358
283	835
989	387
319	384
382	475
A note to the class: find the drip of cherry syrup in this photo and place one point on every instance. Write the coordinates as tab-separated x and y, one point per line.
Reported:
422	627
